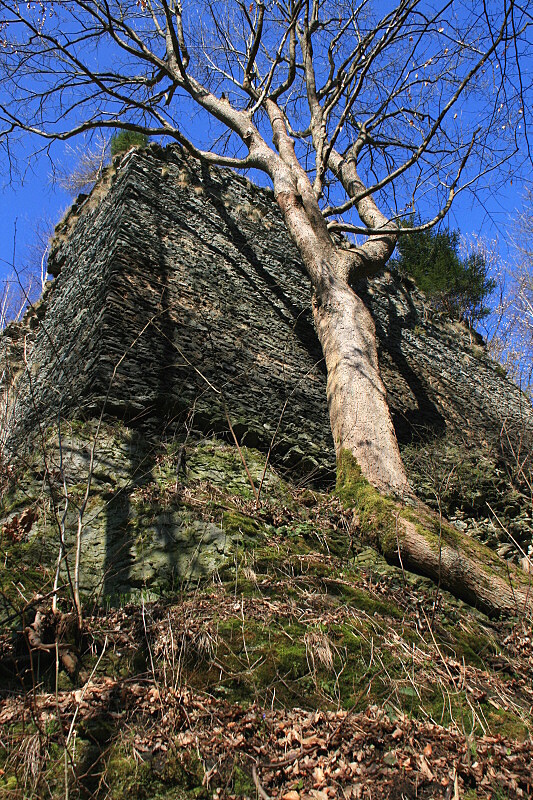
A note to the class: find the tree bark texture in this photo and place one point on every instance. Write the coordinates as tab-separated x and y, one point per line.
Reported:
357	399
417	539
467	569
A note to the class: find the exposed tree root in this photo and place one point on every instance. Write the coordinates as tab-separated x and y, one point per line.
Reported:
418	540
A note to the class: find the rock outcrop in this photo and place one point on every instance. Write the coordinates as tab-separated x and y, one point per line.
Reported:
180	308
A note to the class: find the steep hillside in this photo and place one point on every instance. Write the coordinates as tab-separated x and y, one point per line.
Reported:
269	649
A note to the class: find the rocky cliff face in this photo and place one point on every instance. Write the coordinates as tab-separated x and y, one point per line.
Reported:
180	309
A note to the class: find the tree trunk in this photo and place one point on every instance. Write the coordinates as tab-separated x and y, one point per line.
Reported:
463	566
357	399
415	538
369	466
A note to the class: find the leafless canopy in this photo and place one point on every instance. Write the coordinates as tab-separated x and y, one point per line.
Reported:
511	340
424	98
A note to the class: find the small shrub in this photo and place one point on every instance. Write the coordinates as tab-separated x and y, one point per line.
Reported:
457	285
123	140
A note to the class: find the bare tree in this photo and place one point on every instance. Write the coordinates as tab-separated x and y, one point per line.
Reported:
24	278
512	342
356	114
89	164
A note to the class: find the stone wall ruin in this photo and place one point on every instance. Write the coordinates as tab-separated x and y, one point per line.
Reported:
179	302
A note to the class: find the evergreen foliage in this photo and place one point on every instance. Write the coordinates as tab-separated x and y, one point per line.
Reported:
123	140
459	286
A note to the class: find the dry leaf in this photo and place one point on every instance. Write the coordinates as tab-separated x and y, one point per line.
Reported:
425	770
318	776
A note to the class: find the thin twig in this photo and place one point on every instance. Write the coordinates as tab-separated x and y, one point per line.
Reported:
260	791
270	451
241	454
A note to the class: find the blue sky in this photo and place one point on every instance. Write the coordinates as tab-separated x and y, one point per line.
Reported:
22	206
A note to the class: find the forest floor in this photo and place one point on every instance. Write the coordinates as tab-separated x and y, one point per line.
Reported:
286	690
